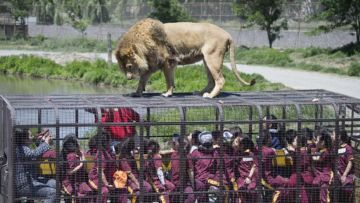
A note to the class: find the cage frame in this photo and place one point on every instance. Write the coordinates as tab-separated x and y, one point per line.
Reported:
180	101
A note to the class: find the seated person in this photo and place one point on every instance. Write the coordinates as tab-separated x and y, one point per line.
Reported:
25	183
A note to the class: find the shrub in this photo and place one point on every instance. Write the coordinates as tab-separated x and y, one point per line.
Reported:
354	69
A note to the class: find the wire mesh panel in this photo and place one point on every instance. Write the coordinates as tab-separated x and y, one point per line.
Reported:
286	146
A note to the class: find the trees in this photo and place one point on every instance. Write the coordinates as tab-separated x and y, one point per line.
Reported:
341	13
264	13
169	11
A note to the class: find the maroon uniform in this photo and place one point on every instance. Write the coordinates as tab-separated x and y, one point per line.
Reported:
129	166
204	165
107	165
323	175
175	177
76	183
243	166
345	156
152	165
272	180
306	174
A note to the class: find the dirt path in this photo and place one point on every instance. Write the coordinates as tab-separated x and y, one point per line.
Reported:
299	79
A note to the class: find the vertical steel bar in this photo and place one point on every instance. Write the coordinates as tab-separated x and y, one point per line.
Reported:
261	164
334	151
148	118
77	121
99	153
39	119
182	152
298	155
220	111
250	124
57	149
142	160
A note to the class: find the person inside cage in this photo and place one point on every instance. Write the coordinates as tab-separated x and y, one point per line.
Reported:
103	162
303	163
194	140
26	183
204	173
236	131
273	128
73	175
128	164
176	172
346	172
311	140
323	162
154	173
246	166
271	179
228	165
118	115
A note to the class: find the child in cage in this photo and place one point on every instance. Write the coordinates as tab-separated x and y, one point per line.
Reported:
73	174
176	172
271	180
311	140
154	172
345	168
105	161
229	164
246	168
127	163
203	167
303	162
323	164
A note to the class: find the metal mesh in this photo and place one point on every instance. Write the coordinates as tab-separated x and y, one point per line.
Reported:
238	147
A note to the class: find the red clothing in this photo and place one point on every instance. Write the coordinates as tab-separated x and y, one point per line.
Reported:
121	115
205	166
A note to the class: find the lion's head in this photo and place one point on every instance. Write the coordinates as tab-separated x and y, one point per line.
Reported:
130	60
141	48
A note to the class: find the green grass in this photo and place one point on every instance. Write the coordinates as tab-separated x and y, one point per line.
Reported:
344	60
188	79
58	44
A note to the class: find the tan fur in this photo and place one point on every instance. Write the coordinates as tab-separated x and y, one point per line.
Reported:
150	45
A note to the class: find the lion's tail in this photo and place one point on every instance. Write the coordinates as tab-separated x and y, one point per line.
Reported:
233	65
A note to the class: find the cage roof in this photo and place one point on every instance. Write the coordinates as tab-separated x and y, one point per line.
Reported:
155	100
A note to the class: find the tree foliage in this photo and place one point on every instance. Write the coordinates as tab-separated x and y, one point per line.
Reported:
168	11
264	13
341	13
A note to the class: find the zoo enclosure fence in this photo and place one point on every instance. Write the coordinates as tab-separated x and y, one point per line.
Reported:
159	119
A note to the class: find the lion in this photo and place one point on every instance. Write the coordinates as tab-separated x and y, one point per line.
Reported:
150	45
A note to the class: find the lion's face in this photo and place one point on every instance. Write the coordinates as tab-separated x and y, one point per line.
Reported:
130	63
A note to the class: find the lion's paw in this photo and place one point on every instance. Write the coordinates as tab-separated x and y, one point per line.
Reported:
207	95
166	94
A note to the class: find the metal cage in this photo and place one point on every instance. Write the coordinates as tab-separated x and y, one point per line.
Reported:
153	117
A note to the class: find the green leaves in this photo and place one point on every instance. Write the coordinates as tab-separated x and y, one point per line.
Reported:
264	13
169	11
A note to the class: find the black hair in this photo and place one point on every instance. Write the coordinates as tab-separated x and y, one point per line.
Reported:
236	131
344	137
127	146
70	145
152	147
21	136
266	138
272	125
302	140
195	136
290	136
216	134
325	135
247	143
308	133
